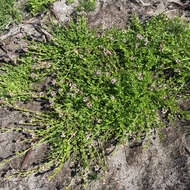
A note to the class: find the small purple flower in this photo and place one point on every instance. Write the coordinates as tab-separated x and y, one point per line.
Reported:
62	134
32	75
81	56
82	13
139	36
165	97
112	97
123	30
25	49
33	66
177	70
11	94
89	104
69	19
162	66
177	60
74	85
99	121
61	81
37	77
137	45
179	95
48	65
60	90
113	81
142	111
42	66
19	35
77	90
131	57
51	101
107	74
41	94
95	98
98	72
107	52
60	114
53	93
85	99
54	82
146	41
33	95
140	76
25	44
164	111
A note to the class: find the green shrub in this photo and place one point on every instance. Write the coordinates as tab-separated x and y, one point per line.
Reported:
87	5
104	87
7	13
35	6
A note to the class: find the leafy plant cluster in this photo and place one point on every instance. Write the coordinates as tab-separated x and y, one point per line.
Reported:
105	86
7	13
36	6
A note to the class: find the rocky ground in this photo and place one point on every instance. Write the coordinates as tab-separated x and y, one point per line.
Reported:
164	165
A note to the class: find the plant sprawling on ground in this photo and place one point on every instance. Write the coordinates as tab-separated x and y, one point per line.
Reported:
36	6
7	13
104	85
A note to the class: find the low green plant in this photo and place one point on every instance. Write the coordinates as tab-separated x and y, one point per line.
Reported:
105	87
35	6
87	5
8	13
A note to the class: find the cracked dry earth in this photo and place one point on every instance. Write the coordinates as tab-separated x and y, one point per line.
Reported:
164	165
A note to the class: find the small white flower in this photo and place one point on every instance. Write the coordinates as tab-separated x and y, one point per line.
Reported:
98	72
164	111
62	134
113	81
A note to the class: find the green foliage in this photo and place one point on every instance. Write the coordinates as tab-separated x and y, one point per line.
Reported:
103	88
8	13
69	1
35	6
87	5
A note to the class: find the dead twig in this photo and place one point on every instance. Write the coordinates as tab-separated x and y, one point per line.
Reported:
27	155
177	2
53	12
48	36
